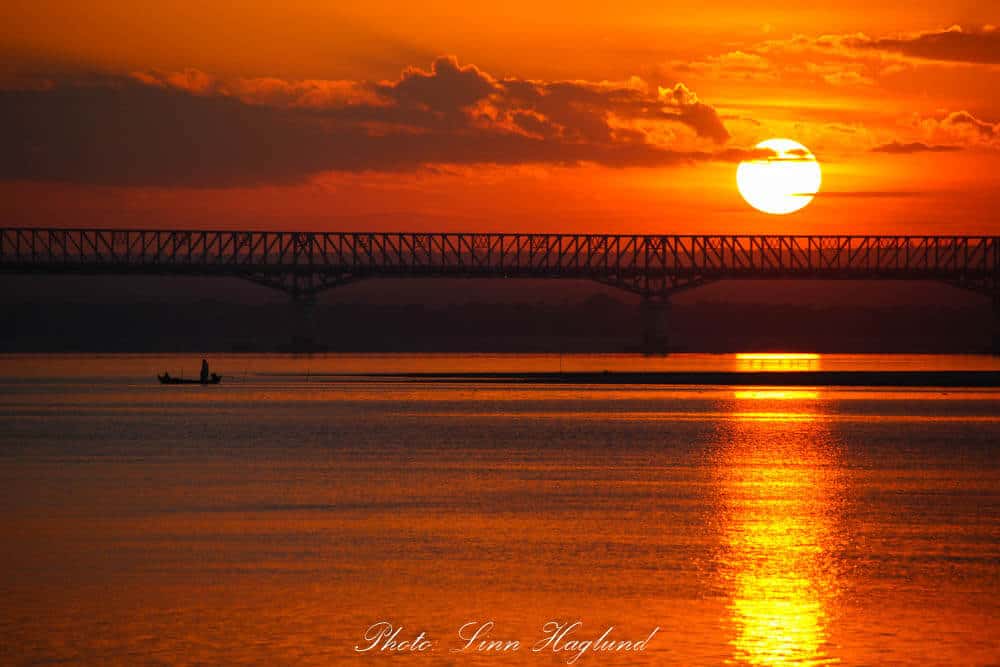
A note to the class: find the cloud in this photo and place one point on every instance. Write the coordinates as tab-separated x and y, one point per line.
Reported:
847	78
963	120
450	95
898	148
942	132
957	128
955	44
827	60
308	93
846	61
863	194
448	88
192	129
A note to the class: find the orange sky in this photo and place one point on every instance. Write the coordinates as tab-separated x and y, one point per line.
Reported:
588	116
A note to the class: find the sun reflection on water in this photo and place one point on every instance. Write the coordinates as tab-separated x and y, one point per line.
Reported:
779	491
778	361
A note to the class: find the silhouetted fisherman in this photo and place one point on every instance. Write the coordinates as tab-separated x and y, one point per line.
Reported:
204	370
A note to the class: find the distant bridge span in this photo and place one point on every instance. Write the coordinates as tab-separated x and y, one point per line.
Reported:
652	266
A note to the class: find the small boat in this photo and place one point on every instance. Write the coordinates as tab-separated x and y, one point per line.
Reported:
166	379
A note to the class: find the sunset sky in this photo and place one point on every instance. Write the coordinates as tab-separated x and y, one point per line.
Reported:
444	115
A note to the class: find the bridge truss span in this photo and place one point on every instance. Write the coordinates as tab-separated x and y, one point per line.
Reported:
653	266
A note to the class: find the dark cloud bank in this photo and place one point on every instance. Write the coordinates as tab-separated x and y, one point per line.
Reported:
150	132
979	47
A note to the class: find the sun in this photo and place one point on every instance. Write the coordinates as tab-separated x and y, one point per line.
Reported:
782	183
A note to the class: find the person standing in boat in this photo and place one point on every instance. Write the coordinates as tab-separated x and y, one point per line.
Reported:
204	370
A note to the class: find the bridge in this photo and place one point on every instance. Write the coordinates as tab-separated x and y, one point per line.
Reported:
303	264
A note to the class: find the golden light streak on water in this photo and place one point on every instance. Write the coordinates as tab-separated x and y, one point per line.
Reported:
777	355
779	491
776	394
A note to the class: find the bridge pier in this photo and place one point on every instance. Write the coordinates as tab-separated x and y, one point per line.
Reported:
995	324
654	313
305	332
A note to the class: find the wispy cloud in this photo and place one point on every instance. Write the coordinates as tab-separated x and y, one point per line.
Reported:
862	194
898	148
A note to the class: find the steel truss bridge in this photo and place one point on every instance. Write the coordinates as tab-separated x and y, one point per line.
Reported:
652	266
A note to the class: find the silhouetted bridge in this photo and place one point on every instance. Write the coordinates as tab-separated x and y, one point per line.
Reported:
652	266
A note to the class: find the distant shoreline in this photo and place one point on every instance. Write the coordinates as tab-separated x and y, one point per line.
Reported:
729	378
598	324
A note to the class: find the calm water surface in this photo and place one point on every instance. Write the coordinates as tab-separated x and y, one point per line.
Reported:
273	518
